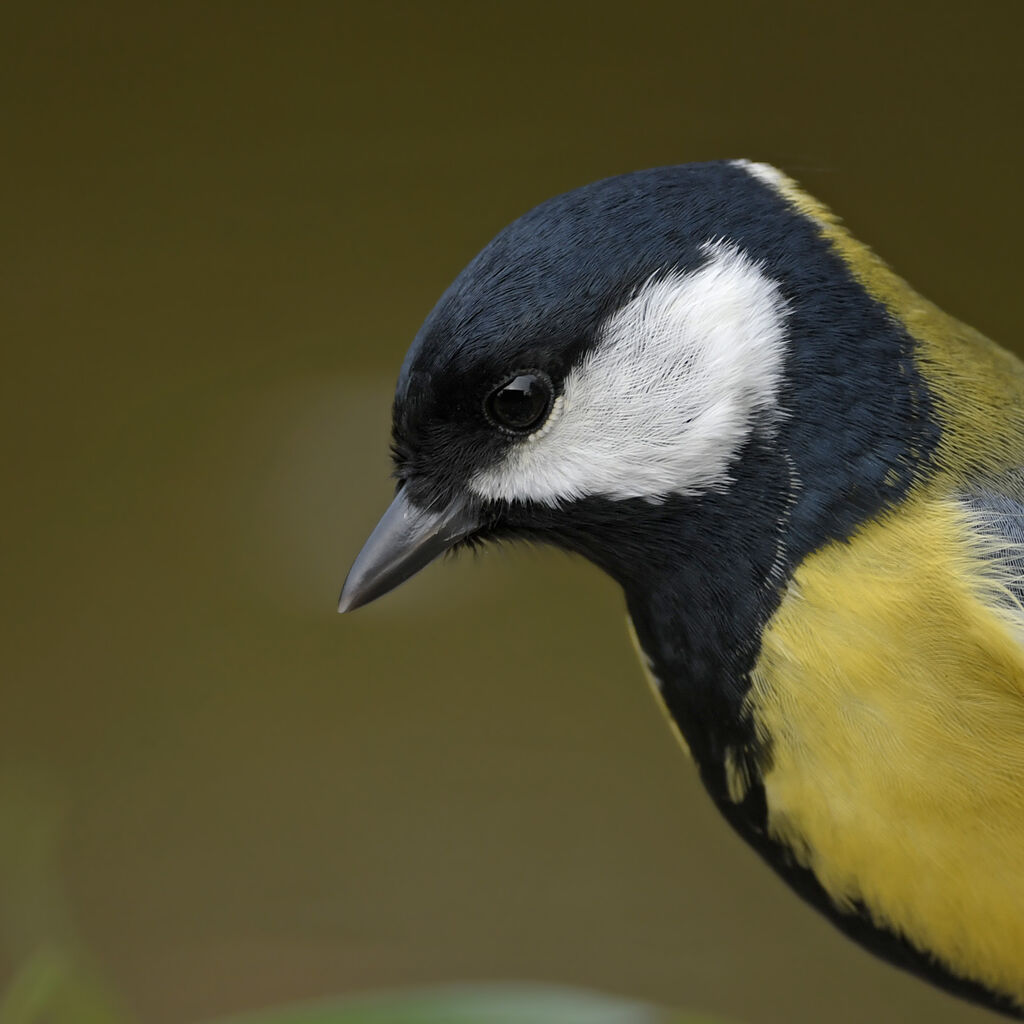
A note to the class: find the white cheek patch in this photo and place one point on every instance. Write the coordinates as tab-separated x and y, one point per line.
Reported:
662	404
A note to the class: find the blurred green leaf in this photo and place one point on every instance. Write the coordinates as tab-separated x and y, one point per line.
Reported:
54	980
501	1004
54	987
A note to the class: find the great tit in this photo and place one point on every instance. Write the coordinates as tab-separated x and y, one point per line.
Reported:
809	482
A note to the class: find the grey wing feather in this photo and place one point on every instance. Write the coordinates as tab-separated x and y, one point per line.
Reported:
1001	518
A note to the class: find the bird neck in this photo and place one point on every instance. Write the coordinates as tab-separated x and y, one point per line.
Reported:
702	577
699	627
978	385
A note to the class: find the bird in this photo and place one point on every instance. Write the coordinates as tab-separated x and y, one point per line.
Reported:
808	482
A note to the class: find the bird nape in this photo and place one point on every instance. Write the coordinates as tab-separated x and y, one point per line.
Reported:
809	482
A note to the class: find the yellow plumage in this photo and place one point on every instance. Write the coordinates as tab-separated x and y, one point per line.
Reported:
891	687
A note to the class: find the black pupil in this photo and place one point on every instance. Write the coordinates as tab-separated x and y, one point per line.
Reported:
522	402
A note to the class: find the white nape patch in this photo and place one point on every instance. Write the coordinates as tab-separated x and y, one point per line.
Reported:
763	172
663	402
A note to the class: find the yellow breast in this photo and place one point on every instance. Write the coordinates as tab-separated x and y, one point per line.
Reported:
891	689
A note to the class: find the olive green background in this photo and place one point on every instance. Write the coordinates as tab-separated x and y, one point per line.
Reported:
221	227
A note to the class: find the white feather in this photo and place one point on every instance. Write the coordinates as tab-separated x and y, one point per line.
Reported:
665	399
763	172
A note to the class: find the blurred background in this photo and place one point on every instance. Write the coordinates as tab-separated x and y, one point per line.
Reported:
222	225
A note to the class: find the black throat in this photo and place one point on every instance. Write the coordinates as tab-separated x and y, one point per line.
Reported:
701	599
702	576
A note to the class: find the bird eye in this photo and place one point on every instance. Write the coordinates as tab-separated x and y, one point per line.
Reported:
522	403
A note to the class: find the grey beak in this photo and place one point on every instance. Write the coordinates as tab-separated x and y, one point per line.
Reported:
404	541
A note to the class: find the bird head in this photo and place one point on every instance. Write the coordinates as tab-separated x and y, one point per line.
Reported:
646	370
